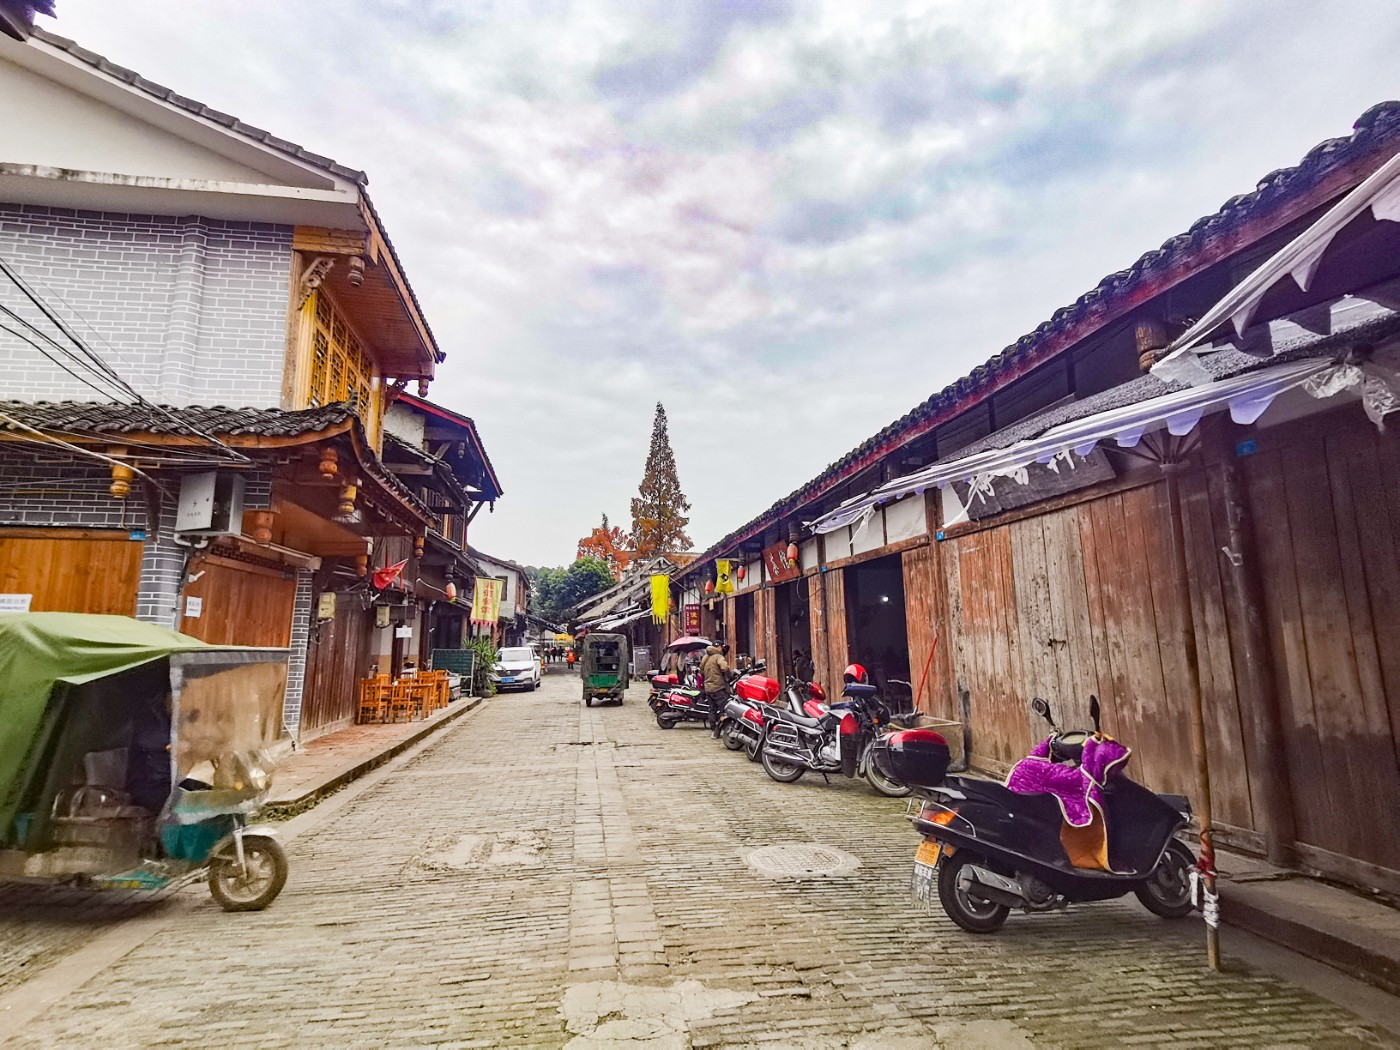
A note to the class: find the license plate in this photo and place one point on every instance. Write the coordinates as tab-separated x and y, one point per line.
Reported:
507	681
929	852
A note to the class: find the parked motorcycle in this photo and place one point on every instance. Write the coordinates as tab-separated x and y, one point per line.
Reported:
748	712
839	740
1068	827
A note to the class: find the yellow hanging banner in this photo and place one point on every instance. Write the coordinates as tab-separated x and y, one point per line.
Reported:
486	600
724	576
660	598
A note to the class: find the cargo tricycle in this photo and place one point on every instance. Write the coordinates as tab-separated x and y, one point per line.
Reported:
605	672
133	757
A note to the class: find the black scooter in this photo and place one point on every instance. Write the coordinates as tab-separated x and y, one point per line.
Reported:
988	849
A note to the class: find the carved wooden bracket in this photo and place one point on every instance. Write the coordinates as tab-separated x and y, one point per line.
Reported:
312	277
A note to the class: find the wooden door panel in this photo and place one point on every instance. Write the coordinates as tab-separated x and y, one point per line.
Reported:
68	572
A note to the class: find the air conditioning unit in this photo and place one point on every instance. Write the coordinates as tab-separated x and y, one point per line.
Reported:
211	504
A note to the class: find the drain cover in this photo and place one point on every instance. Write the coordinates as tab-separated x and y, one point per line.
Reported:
801	860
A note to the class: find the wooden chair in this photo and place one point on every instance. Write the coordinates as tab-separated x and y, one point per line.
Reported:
424	689
403	700
374	701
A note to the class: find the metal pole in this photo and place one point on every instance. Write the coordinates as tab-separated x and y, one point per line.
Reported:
1182	587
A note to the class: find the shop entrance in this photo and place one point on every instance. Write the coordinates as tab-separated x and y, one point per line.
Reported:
875	618
743	627
792	615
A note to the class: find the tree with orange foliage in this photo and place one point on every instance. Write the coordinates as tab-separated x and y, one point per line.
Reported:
609	545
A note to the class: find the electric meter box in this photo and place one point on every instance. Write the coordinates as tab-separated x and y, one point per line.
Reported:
211	504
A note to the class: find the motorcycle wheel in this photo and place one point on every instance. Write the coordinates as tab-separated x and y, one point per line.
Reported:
666	721
972	915
257	886
751	749
731	737
884	785
1167	892
782	772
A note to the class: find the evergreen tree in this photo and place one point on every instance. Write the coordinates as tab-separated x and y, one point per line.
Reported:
659	511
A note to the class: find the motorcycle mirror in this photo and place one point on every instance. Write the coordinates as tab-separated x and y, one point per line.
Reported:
1094	711
1042	708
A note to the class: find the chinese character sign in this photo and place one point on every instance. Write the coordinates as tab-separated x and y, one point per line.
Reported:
692	619
486	600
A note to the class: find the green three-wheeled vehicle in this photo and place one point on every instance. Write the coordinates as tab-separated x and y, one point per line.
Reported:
604	665
132	757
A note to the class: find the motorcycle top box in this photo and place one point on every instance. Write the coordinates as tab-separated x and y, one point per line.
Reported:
758	688
917	757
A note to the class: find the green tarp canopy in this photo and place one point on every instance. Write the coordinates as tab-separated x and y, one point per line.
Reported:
40	650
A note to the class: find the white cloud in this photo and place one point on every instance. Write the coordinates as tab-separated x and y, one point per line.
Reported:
790	222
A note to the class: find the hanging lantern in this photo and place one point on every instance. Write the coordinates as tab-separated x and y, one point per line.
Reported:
740	573
709	586
451	591
792	554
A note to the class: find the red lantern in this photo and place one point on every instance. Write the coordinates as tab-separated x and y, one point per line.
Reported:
792	553
451	591
741	573
709	586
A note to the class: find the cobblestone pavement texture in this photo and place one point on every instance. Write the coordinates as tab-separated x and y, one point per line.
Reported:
547	874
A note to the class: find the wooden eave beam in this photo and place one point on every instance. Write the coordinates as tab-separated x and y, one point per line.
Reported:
379	254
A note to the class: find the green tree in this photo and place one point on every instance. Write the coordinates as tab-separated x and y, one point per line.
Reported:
559	590
659	511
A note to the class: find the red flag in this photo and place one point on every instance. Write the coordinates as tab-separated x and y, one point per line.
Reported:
387	575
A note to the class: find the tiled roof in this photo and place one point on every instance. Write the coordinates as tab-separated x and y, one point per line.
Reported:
1209	239
99	417
103	64
466	423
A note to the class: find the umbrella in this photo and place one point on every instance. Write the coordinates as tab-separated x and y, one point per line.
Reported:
688	644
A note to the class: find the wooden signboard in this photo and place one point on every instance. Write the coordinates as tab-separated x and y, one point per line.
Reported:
777	566
692	619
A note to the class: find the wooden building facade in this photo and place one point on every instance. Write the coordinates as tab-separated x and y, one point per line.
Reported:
1068	588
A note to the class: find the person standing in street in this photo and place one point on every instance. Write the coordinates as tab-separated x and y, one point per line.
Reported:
571	659
714	680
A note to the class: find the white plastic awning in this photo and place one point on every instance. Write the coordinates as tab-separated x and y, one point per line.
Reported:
1298	259
1246	397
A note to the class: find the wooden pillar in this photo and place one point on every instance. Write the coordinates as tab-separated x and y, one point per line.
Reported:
1186	639
1239	565
838	654
821	662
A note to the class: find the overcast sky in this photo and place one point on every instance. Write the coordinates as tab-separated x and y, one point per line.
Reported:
789	221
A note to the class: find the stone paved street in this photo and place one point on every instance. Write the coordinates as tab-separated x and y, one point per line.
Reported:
547	874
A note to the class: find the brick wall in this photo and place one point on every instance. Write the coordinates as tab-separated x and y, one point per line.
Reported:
47	490
188	310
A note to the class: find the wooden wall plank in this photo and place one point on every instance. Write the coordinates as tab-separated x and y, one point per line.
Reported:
68	573
1203	507
838	649
240	608
821	653
1264	474
1070	619
1332	664
1371	744
1038	673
